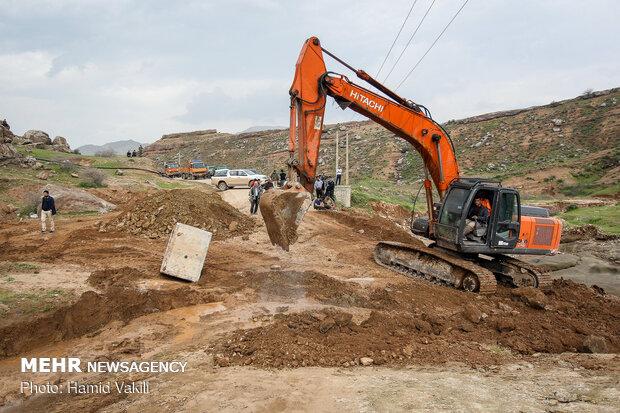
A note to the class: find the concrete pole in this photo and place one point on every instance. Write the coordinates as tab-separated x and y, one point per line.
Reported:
347	152
336	150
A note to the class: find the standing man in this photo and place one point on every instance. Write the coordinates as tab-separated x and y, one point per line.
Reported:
338	175
318	187
282	177
255	193
48	208
329	189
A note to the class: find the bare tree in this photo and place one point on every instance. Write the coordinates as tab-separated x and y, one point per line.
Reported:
93	176
588	93
105	153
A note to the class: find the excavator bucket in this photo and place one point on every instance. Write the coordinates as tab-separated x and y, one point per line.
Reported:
282	212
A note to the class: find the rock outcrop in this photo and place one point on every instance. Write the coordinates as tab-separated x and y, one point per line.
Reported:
37	136
60	144
176	142
76	200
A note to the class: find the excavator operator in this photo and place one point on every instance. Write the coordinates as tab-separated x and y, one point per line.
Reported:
477	213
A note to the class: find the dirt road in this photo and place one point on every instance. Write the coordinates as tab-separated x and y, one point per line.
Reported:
266	330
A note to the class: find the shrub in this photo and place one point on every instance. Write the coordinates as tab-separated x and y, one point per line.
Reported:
32	201
92	176
105	153
77	152
571	207
66	167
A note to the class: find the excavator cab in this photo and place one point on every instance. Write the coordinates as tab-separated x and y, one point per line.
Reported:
499	233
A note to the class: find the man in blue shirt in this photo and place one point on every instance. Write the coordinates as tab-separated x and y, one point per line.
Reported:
48	209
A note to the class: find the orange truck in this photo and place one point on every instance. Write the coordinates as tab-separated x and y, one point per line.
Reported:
195	169
171	169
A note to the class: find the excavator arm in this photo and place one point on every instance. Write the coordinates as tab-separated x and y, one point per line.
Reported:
312	85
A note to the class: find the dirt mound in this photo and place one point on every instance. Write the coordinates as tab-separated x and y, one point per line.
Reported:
408	324
155	215
393	212
378	228
91	312
7	211
584	233
124	276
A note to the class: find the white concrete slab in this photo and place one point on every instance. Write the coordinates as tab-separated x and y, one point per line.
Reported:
186	252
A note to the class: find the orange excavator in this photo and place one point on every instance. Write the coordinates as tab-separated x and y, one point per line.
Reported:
472	259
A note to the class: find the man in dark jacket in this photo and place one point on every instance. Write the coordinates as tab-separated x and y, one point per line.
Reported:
48	209
329	188
477	213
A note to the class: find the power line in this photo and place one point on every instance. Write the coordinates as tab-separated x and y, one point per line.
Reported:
410	39
429	49
396	38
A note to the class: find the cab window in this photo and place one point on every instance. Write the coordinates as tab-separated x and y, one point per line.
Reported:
452	211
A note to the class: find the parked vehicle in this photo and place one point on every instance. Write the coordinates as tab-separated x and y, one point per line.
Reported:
195	169
171	169
229	178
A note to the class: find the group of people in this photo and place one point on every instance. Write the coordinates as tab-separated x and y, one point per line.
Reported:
324	188
323	185
134	153
278	178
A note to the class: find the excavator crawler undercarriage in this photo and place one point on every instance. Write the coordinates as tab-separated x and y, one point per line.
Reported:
442	267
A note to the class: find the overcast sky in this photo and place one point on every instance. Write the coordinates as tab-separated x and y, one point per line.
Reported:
96	71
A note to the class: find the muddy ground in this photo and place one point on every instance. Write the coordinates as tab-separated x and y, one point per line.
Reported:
267	330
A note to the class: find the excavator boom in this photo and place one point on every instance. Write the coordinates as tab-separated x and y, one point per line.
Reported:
312	85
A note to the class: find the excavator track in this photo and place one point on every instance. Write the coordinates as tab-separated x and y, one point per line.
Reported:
436	266
541	278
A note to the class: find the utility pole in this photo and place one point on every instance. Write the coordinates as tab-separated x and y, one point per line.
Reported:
336	150
347	152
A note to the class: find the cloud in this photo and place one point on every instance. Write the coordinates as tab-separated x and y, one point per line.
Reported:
101	70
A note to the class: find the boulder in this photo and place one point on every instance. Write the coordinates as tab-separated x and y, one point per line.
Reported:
595	344
531	296
43	175
472	314
59	140
504	325
37	136
366	361
76	200
60	144
8	151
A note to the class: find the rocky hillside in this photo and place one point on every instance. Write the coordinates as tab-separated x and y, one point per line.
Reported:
570	147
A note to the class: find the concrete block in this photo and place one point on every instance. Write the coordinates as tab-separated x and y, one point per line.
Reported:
343	195
186	252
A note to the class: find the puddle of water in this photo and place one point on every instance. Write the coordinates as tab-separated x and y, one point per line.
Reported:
192	314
